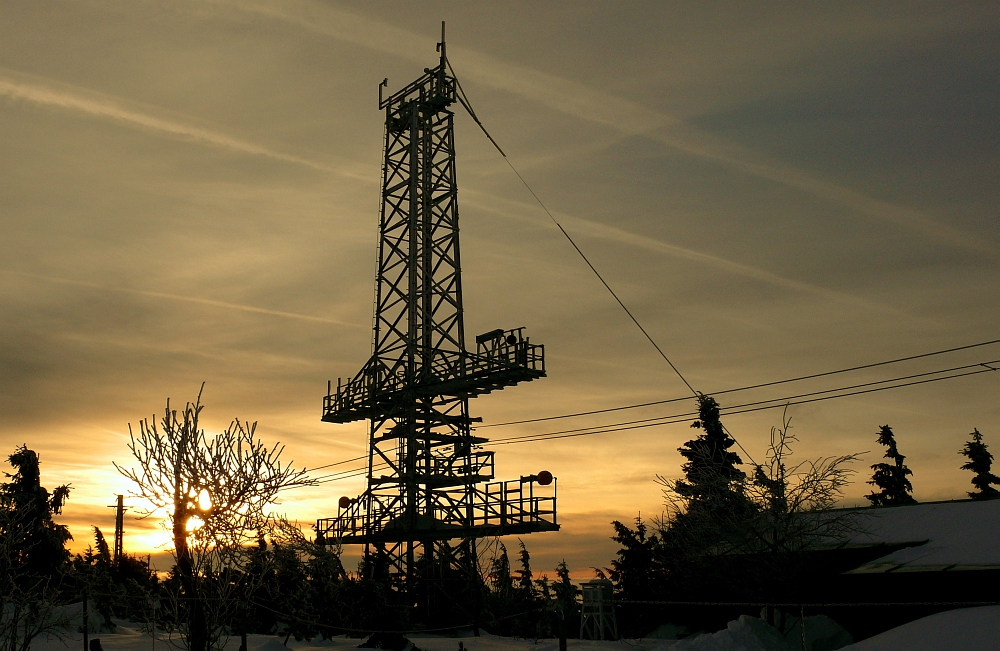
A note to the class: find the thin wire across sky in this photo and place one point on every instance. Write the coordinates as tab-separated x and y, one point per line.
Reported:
772	403
896	382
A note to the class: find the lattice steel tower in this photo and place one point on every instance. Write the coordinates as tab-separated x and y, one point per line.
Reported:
430	494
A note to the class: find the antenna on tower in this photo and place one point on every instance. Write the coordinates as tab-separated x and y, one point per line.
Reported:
442	48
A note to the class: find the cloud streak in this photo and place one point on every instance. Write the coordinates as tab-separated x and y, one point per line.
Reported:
187	299
627	117
596	230
117	110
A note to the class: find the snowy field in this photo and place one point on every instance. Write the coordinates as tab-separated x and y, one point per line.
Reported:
131	640
968	629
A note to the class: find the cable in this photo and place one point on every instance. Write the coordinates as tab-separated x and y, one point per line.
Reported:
338	463
344	474
354	472
737	409
464	101
742	408
340	472
680	418
744	388
782	401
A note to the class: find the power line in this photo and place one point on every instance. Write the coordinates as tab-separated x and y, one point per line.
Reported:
816	396
360	472
464	100
793	399
338	463
786	398
680	418
675	418
351	472
745	388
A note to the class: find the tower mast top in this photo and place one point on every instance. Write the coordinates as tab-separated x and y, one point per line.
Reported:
442	48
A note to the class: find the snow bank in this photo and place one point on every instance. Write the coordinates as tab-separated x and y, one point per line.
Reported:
968	629
131	638
66	618
269	644
744	634
965	629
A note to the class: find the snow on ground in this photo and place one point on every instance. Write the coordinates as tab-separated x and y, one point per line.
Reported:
967	629
129	638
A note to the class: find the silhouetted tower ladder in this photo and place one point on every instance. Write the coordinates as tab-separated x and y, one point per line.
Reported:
429	494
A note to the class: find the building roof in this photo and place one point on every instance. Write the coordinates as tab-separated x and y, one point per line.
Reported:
956	535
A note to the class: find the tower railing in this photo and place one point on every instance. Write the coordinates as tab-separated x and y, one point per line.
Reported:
506	507
511	360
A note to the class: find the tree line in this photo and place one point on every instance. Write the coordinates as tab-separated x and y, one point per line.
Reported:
241	570
730	535
238	568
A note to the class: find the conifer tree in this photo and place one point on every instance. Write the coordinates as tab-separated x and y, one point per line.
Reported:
639	574
980	462
38	542
890	478
543	624
100	582
710	469
502	598
524	579
634	571
500	579
566	609
328	587
520	610
565	591
33	555
708	511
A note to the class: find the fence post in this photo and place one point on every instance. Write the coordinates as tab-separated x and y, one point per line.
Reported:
802	626
86	623
152	631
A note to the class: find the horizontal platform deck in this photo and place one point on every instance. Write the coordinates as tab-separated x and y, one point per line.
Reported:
377	392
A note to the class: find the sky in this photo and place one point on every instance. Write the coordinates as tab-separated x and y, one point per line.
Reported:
189	193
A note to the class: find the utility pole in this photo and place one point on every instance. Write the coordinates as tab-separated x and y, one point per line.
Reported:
120	509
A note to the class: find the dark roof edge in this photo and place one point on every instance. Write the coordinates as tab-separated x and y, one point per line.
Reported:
901	506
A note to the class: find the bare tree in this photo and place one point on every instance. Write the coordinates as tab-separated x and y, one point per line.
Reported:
794	514
756	534
777	495
784	493
216	491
